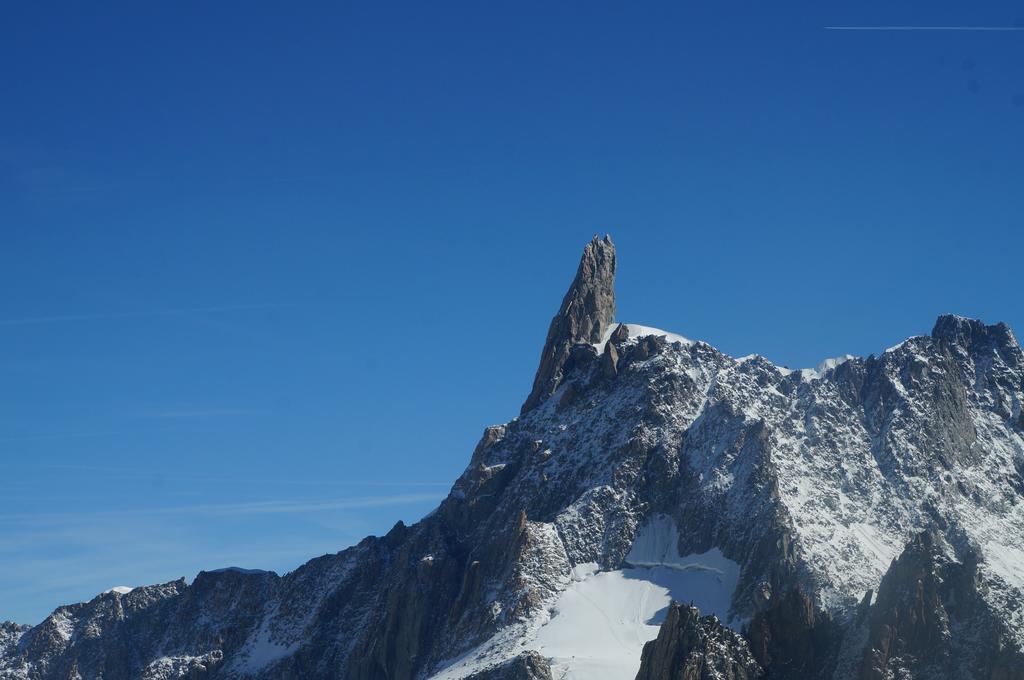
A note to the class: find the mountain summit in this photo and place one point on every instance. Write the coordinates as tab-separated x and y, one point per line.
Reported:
587	311
659	510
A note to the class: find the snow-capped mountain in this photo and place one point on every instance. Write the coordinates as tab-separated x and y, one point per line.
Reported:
861	520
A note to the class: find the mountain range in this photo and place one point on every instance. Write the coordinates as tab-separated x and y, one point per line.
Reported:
658	510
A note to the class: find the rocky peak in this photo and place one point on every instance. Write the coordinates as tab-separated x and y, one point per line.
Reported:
691	647
587	311
972	334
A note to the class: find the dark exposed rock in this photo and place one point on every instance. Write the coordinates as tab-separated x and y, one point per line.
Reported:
928	620
491	436
619	335
794	638
972	334
184	668
909	627
581	355
610	361
865	606
586	312
526	666
689	647
156	632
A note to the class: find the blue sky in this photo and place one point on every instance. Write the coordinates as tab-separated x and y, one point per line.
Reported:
268	274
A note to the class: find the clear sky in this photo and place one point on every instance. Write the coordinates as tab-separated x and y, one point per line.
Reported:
268	273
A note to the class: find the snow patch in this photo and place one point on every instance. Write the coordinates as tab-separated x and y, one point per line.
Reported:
896	346
825	366
708	579
1006	561
598	626
829	364
63	624
262	650
638	331
805	373
599	346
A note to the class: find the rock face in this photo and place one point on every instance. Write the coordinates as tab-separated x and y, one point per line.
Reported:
689	647
587	311
526	666
929	620
900	474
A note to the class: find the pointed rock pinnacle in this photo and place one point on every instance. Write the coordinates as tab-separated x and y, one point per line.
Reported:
587	311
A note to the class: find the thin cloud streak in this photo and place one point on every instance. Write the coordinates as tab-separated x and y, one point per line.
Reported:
230	183
64	579
131	473
232	509
156	415
63	435
924	28
290	507
185	311
200	413
70	557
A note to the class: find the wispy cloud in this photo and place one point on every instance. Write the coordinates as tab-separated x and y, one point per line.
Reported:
222	184
229	509
184	311
72	573
89	188
55	558
130	473
301	506
62	435
168	415
199	413
75	566
924	28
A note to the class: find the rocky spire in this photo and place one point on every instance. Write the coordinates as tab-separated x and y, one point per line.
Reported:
586	313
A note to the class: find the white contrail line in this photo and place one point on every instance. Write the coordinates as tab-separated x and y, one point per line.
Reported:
924	28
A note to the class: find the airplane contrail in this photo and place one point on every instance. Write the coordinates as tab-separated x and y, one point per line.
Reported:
924	28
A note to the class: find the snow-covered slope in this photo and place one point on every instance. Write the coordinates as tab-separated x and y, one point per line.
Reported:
801	507
597	627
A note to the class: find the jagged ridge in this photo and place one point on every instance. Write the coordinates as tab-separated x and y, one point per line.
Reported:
813	483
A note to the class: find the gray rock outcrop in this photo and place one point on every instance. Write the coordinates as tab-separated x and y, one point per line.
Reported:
526	666
587	311
691	647
929	621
